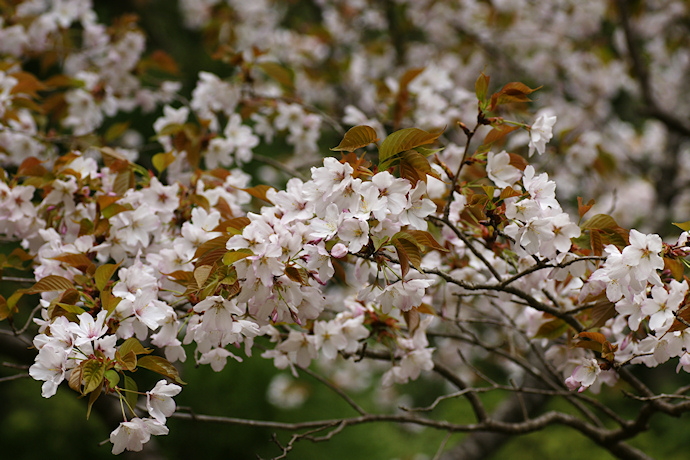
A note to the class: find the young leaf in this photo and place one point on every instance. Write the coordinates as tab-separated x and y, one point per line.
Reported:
552	329
259	191
92	374
582	209
481	87
132	344
49	283
231	257
401	141
201	274
161	161
161	366
130	392
355	138
103	275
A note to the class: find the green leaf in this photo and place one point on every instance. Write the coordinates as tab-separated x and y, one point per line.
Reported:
685	226
131	389
92	373
132	344
103	275
279	73
481	87
552	329
355	138
233	256
415	167
113	378
95	393
48	284
161	161
201	274
402	141
116	131
161	366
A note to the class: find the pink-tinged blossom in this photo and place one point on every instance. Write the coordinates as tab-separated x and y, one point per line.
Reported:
134	434
159	402
584	375
663	304
301	348
217	358
418	208
500	171
540	133
218	313
329	338
541	189
404	294
355	232
327	227
632	309
393	191
49	366
89	329
643	254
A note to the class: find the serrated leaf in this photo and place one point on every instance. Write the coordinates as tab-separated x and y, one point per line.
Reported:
596	242
600	222
552	329
75	378
415	167
279	73
201	274
426	239
131	389
211	257
32	166
497	134
92	375
259	191
356	138
594	336
103	275
116	131
161	366
481	87
79	261
93	396
133	345
161	161
233	256
48	284
408	253
582	209
685	226
517	161
215	243
602	312
675	267
236	225
402	141
297	274
113	378
411	319
128	361
589	345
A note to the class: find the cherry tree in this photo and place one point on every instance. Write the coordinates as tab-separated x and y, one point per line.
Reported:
442	187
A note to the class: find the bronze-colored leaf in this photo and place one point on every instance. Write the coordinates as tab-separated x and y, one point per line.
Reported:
356	138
